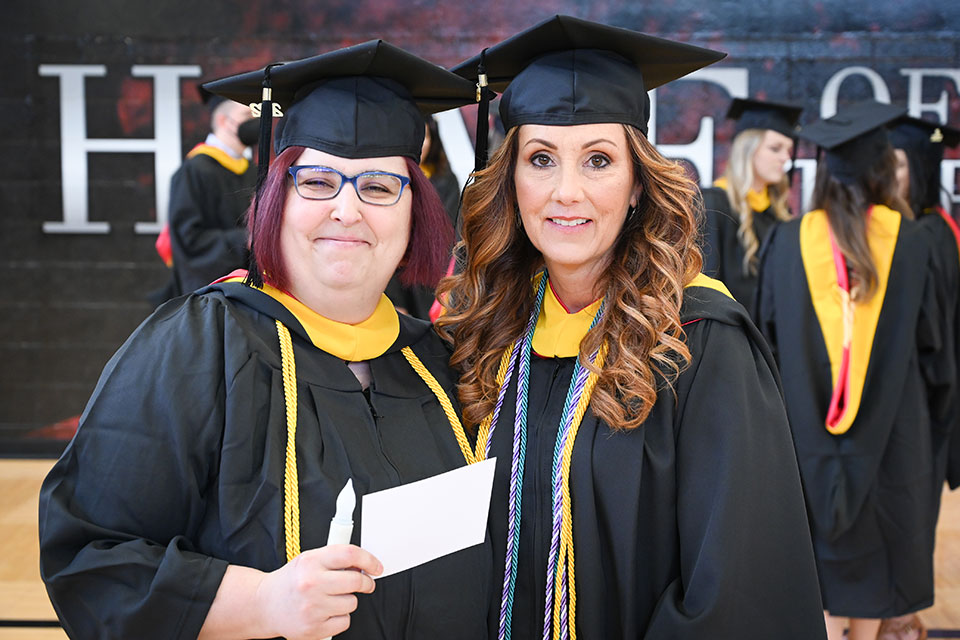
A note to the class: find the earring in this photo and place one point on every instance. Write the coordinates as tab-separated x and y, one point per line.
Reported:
631	211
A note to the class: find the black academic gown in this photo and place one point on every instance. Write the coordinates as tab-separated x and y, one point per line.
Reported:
177	470
691	526
873	492
946	260
722	251
208	203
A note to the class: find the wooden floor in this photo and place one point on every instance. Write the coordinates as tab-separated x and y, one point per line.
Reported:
22	597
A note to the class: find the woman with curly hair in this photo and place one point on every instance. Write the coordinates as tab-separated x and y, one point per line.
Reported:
750	198
646	483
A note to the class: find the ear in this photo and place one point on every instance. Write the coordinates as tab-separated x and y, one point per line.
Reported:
635	196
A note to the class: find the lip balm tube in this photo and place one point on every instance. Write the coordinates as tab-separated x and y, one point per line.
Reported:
341	526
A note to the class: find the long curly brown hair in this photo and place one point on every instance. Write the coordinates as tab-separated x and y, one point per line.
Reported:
656	255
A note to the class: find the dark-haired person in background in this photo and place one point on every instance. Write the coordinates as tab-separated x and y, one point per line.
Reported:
848	299
918	147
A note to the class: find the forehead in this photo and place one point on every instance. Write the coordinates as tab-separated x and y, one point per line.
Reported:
772	137
350	166
574	135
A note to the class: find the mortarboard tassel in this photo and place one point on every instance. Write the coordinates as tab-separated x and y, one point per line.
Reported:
793	164
483	114
254	278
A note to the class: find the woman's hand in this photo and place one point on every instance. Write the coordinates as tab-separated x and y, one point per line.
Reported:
313	595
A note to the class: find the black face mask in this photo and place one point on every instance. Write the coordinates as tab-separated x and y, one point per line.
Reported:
248	131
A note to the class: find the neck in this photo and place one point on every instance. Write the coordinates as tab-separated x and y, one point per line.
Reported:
231	142
575	287
348	306
758	185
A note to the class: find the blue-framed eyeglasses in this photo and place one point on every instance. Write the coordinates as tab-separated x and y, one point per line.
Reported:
323	183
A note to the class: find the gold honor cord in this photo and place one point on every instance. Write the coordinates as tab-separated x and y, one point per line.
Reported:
565	557
483	433
444	402
291	486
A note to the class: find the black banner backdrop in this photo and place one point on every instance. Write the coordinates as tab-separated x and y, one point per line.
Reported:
99	108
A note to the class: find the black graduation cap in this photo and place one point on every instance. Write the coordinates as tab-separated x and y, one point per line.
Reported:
567	71
913	133
751	113
210	100
923	142
364	101
854	138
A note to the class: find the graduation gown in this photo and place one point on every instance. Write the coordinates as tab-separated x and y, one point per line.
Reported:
691	526
722	251
209	197
946	259
177	470
873	491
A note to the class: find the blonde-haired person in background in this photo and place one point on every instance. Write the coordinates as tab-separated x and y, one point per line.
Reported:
751	196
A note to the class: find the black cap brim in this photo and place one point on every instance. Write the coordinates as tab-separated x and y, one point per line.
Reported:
854	138
658	60
751	113
567	71
907	131
431	87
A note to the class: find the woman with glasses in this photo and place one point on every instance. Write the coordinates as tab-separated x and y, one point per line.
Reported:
646	485
197	496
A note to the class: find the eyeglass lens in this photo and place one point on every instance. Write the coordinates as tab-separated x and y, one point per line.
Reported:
318	183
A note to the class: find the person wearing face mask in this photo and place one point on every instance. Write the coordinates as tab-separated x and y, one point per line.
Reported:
209	195
751	196
197	496
646	484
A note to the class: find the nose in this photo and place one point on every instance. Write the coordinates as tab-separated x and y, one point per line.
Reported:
569	185
346	206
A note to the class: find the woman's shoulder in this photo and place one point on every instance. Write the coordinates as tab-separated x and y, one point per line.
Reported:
423	339
706	298
710	314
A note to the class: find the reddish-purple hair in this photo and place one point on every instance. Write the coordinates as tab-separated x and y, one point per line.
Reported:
431	234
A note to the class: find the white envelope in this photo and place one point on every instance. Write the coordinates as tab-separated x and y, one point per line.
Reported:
418	522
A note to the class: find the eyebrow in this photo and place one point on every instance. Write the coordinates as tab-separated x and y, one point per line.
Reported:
550	145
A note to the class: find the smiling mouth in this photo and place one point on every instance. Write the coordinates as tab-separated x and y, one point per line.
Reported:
568	223
343	240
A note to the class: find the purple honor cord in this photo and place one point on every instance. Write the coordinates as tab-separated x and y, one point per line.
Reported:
521	356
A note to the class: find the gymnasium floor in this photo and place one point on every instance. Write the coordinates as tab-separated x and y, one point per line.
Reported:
26	614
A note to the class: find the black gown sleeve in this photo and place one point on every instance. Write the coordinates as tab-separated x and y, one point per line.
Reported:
746	559
119	509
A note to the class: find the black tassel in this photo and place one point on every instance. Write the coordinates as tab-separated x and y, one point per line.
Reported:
254	278
793	164
483	114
